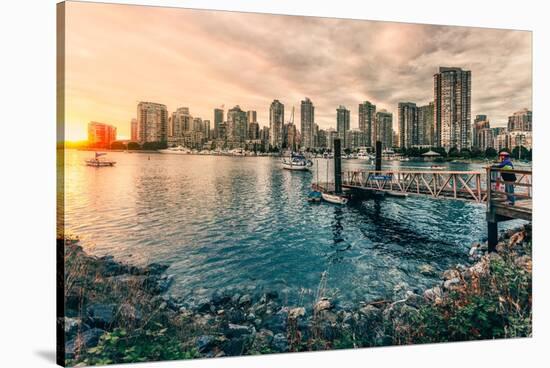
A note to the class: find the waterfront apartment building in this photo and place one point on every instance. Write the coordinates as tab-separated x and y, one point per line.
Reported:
367	122
407	118
101	135
152	122
237	126
484	139
384	128
355	138
342	123
253	130
452	108
480	123
426	124
251	116
322	139
218	120
276	122
134	130
307	118
521	121
290	137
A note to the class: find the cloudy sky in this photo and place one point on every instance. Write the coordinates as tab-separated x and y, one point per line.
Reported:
118	55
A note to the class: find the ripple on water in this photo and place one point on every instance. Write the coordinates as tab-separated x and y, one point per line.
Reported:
243	222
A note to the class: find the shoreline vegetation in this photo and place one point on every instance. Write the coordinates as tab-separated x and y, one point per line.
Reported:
119	313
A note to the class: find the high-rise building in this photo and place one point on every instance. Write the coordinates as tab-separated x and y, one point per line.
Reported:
407	116
322	139
290	137
251	116
134	130
179	123
206	129
152	122
484	139
480	123
307	119
276	122
426	124
237	130
101	135
253	130
452	108
521	121
367	122
218	120
354	139
342	123
384	128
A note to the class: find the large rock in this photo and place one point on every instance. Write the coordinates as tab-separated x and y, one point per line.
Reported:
234	330
294	313
72	326
451	283
102	315
321	305
451	274
205	343
245	300
280	343
83	341
433	294
371	313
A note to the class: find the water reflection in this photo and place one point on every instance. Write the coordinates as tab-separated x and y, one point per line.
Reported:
245	222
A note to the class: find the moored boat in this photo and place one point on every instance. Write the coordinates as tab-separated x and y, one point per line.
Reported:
296	162
179	150
97	161
334	198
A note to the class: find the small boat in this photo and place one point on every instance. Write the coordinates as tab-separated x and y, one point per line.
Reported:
179	150
437	167
97	161
334	198
314	196
297	162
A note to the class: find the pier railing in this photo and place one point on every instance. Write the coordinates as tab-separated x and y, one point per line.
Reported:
466	185
509	198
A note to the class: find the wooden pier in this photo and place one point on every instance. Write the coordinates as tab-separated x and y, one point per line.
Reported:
480	187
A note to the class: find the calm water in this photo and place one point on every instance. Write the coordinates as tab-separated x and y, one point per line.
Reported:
245	222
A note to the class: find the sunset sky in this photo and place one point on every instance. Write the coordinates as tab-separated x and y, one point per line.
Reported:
118	55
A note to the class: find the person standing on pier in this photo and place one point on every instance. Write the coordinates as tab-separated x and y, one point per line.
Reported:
509	178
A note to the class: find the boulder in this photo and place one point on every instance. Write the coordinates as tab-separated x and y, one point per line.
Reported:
205	343
433	294
280	343
296	312
451	274
451	283
321	305
102	315
245	300
370	312
234	330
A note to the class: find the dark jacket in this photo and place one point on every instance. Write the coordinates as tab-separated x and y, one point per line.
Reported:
506	165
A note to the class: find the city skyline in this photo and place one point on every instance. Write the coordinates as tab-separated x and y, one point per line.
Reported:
201	72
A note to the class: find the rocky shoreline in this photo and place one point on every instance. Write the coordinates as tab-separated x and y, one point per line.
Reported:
117	313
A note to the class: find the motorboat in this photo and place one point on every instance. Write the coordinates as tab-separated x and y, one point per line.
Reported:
179	150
